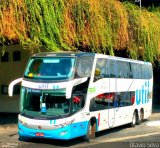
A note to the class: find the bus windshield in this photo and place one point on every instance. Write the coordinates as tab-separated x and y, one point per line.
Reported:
44	104
56	68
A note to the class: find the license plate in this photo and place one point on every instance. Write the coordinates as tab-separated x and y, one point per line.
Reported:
40	134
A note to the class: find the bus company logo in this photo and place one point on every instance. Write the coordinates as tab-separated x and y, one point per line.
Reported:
43	86
142	95
55	87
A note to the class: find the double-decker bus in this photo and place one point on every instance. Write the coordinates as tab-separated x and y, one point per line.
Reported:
69	95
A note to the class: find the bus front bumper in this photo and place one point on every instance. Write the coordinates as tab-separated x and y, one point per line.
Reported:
64	133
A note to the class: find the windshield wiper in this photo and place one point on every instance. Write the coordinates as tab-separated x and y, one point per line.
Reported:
45	115
59	115
24	113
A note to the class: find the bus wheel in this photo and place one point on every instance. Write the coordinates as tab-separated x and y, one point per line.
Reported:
141	116
134	120
90	132
21	138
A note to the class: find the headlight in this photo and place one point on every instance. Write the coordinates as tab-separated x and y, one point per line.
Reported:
63	133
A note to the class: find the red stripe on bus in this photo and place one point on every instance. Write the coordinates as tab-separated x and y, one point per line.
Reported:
98	119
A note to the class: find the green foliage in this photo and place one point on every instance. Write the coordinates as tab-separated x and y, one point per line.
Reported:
144	33
89	25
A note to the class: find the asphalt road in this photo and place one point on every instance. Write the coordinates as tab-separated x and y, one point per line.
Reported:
145	135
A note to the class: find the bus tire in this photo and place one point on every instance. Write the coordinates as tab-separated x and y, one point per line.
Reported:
91	129
140	117
134	119
21	138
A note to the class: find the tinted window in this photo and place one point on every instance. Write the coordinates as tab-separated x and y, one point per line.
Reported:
97	105
124	70
102	101
124	98
84	66
136	70
146	71
109	68
102	69
112	68
77	102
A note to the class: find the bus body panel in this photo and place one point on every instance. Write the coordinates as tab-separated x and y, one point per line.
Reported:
64	133
53	129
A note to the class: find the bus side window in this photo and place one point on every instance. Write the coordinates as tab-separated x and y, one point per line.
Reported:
137	70
126	98
124	70
93	105
112	68
146	71
102	101
96	105
130	74
77	102
83	67
101	70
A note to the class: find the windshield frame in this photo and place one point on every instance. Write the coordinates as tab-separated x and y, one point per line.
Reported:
38	114
50	78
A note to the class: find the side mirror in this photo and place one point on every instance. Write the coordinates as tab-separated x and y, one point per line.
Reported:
11	86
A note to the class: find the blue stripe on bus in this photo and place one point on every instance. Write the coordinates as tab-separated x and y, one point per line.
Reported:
68	132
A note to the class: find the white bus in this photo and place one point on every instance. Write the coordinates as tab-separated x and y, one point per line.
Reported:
69	95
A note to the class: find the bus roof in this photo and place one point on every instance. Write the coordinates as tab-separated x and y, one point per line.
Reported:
64	54
122	59
79	54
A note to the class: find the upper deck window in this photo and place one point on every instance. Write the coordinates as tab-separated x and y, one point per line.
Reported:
84	66
56	68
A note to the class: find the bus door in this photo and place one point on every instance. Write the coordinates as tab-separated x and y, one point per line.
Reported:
123	94
101	85
115	113
112	68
